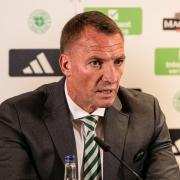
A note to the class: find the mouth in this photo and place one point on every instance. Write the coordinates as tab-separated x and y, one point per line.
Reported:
106	93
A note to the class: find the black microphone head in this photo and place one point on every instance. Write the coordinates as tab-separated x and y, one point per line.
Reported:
102	144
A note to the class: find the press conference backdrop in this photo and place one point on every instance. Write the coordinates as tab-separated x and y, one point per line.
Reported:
29	47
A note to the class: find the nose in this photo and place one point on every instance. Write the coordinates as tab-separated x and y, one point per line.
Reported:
110	73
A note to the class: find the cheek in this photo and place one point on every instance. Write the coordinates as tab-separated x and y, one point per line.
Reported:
120	72
88	82
88	85
82	74
82	80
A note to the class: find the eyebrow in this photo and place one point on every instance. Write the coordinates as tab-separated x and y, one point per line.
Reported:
106	46
121	57
102	59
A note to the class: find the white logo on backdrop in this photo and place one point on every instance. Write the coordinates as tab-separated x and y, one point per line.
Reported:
113	14
40	65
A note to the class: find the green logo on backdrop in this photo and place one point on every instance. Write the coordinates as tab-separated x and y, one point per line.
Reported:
128	19
39	21
167	61
176	101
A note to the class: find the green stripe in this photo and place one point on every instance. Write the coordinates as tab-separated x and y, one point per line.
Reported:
91	165
86	158
89	126
96	173
90	118
89	142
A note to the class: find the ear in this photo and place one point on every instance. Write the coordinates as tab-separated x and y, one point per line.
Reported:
65	64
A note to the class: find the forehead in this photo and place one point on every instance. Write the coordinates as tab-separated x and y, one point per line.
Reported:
92	40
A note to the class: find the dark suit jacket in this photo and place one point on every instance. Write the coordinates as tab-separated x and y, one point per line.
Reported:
36	133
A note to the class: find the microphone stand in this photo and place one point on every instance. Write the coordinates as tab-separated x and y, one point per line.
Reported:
107	148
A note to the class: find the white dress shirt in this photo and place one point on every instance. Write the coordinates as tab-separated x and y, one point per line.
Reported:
80	130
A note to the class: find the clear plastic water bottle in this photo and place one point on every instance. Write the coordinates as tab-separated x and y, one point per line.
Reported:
70	167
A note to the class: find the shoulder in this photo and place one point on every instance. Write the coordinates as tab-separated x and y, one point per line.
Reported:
134	94
134	100
33	99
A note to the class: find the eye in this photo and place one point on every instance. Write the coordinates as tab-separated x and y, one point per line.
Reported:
96	63
119	61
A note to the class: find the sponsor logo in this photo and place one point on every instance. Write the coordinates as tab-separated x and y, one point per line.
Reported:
167	61
128	19
175	136
31	62
39	21
176	101
172	23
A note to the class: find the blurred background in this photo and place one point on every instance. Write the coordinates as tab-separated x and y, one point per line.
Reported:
29	47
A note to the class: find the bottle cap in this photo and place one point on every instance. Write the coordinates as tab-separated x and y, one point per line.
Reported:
69	158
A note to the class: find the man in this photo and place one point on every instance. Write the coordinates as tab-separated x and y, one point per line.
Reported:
39	128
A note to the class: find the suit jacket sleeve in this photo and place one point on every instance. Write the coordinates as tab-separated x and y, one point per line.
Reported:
15	162
161	163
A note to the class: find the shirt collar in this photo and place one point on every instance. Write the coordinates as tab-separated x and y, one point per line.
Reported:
78	112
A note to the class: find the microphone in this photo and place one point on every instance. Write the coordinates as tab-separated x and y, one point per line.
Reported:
107	148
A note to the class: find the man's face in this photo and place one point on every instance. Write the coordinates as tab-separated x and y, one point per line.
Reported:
93	66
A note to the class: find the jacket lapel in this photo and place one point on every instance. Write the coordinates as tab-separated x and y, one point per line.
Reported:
58	121
61	130
115	128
